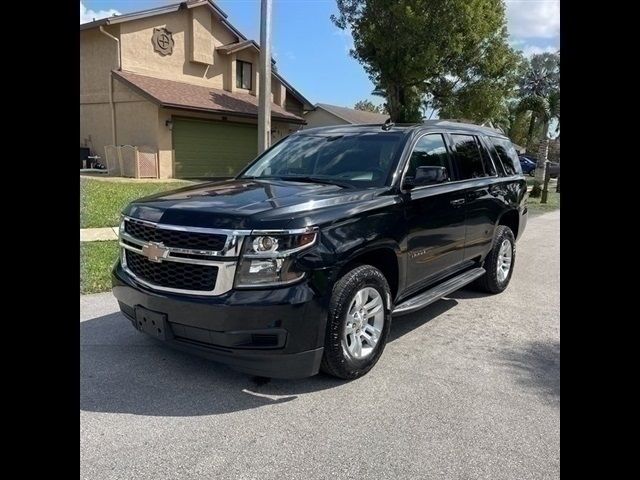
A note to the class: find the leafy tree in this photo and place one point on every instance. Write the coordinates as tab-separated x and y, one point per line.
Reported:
368	106
452	52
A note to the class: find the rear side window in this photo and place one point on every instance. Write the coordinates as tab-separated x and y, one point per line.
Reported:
468	157
507	155
489	166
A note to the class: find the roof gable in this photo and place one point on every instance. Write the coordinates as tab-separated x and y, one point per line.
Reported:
353	116
217	11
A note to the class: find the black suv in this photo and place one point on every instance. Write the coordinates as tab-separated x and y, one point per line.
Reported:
299	263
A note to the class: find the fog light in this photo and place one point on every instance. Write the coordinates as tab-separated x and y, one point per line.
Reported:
269	266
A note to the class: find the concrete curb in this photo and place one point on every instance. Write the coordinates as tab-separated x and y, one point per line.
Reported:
98	234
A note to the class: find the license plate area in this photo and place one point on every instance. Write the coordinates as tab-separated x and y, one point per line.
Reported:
152	323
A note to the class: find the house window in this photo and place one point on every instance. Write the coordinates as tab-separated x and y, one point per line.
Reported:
243	75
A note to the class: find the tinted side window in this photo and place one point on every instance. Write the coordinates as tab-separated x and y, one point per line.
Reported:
508	156
469	160
489	166
430	151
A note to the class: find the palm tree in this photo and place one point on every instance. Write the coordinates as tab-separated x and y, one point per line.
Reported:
544	110
541	89
539	108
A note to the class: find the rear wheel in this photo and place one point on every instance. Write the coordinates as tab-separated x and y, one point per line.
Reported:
358	324
499	262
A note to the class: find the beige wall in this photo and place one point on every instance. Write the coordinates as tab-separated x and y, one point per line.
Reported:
278	92
294	106
165	144
201	46
280	130
322	118
139	56
136	123
95	126
98	56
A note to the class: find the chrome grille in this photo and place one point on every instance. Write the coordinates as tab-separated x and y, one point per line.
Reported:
173	258
175	238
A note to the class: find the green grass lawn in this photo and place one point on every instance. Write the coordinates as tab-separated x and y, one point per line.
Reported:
553	199
101	201
553	203
96	261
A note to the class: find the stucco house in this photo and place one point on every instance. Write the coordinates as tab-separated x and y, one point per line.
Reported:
181	81
324	115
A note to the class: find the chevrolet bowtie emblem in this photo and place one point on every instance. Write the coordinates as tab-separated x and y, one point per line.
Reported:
155	252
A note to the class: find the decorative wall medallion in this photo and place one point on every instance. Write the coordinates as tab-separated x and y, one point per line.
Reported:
162	40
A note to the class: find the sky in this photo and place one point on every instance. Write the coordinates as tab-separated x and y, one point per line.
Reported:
313	54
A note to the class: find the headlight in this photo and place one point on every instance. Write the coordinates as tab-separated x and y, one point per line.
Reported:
268	259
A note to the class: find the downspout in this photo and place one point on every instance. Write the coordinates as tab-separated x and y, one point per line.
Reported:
111	102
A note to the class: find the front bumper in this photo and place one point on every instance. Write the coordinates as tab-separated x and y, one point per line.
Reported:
275	333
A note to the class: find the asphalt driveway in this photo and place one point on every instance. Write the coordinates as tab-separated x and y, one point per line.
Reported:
467	388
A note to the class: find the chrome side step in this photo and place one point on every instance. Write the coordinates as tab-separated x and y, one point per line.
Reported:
437	292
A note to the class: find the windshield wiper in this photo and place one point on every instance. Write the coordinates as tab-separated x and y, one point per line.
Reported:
311	179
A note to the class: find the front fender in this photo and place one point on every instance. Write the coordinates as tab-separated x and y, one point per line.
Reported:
343	241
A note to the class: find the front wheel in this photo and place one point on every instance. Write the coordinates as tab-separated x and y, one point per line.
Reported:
358	324
499	262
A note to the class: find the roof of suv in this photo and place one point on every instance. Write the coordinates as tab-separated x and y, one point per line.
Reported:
407	127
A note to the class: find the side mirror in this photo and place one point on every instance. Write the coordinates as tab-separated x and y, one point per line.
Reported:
429	175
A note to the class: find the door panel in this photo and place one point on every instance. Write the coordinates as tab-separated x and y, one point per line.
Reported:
436	231
478	175
435	216
484	202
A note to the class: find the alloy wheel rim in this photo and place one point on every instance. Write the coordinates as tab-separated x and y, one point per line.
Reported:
505	258
364	323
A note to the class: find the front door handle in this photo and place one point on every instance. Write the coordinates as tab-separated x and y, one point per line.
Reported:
457	202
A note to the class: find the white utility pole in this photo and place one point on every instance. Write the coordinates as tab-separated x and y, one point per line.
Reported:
264	90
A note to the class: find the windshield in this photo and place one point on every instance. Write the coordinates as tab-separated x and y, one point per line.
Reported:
351	159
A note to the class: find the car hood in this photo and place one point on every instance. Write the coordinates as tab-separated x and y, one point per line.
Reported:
253	204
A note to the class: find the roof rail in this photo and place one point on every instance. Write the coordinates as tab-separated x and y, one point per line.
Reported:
486	124
387	124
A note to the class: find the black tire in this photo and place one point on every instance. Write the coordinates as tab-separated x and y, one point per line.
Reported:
532	173
489	282
335	360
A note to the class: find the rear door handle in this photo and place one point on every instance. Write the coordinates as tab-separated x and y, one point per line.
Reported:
457	202
476	194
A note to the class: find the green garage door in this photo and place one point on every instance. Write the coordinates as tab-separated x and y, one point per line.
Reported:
212	149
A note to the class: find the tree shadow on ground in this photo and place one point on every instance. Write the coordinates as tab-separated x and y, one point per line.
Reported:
124	371
536	366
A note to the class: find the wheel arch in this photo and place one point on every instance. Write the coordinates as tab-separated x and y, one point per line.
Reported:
511	219
384	257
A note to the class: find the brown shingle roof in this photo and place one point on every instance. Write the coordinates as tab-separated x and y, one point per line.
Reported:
169	93
353	116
